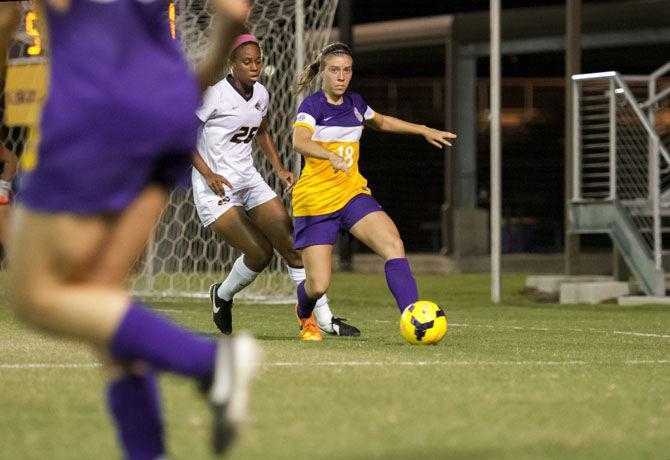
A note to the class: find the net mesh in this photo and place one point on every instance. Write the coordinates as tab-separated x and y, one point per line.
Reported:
183	259
22	93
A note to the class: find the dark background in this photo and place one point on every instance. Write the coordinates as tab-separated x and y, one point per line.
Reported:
407	175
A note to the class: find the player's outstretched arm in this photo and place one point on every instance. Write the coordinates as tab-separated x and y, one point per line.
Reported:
390	124
304	145
267	145
228	24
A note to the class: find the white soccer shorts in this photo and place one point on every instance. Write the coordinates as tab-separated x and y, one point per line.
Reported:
211	206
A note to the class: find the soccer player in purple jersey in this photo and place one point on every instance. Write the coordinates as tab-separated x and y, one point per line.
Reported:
118	129
232	198
332	194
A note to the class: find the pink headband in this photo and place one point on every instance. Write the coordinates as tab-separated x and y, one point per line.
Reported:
241	40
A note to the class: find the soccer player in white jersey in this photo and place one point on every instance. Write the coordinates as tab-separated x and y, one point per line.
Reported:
232	198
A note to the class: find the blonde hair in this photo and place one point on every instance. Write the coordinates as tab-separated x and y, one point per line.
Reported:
317	65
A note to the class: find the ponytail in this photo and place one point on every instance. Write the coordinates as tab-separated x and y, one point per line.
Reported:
311	71
306	76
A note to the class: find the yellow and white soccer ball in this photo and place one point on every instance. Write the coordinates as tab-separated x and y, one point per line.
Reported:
423	323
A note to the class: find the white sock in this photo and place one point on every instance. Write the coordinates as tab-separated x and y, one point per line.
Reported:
240	276
322	313
5	188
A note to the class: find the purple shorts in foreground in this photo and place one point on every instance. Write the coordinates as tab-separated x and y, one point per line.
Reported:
323	229
99	184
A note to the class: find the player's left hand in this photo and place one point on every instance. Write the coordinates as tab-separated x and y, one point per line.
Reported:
288	179
439	139
235	10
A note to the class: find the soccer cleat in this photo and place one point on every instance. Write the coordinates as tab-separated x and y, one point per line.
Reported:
5	197
221	310
227	388
308	329
338	326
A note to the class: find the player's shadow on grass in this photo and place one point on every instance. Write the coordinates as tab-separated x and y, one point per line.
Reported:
294	338
435	453
272	337
262	337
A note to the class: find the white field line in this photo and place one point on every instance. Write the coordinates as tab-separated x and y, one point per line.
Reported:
50	366
427	363
492	326
641	334
373	364
411	363
546	329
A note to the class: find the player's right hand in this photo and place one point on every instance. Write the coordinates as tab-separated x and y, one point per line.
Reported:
338	163
216	183
235	10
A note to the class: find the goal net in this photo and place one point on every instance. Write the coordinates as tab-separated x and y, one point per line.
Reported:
183	258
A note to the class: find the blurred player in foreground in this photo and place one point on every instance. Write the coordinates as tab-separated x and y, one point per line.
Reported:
232	198
118	130
332	194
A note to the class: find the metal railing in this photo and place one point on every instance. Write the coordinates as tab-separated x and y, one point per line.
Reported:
653	95
618	154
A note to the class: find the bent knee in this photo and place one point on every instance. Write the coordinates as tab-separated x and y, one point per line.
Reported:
30	306
293	259
394	248
258	259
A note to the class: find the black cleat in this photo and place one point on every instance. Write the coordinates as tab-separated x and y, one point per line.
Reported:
338	326
227	388
221	310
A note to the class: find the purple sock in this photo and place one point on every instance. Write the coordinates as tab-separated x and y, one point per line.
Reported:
135	406
146	336
401	282
305	303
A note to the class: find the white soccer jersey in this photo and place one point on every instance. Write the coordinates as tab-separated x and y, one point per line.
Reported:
230	124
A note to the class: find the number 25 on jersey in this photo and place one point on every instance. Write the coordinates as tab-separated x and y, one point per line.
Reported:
244	135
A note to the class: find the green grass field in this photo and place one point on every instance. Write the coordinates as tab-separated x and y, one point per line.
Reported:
514	381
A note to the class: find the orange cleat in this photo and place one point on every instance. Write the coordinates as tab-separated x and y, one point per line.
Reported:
308	329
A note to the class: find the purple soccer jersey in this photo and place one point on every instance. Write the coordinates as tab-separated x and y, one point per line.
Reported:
120	111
